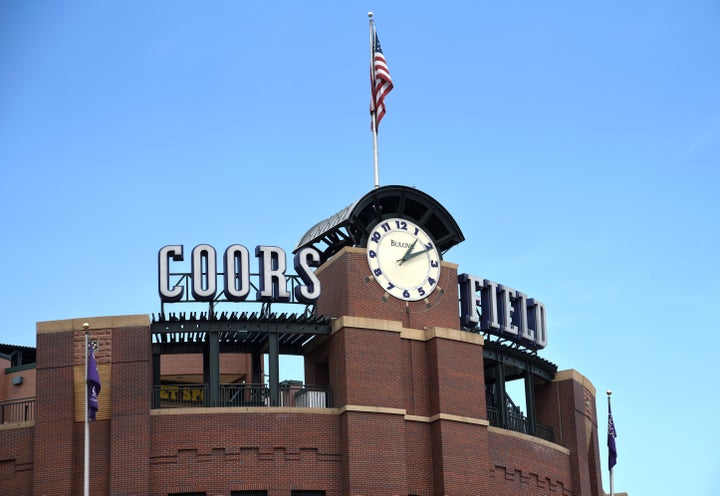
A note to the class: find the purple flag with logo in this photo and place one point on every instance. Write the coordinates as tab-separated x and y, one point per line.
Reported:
93	381
612	450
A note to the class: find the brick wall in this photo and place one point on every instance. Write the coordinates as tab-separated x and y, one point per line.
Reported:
225	449
16	459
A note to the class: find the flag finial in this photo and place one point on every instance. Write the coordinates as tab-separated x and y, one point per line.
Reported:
370	15
609	392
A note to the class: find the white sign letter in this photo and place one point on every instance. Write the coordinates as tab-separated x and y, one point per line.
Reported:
469	299
168	294
237	273
273	284
204	273
305	259
537	322
489	307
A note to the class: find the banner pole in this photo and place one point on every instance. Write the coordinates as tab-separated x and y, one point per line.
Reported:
86	467
612	485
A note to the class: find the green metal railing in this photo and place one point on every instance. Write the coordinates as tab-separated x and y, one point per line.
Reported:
516	421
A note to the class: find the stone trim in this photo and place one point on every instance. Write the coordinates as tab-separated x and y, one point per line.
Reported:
574	375
95	323
527	437
407	333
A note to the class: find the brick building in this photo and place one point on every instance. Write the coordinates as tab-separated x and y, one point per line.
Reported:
399	398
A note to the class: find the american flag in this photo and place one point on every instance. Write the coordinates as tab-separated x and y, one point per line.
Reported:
381	83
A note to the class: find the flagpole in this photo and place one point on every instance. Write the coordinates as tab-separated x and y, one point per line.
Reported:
374	109
612	488
86	467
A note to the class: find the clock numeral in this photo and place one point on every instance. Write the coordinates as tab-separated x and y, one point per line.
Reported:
431	281
406	294
377	271
372	254
417	230
375	236
421	291
401	224
390	286
434	263
385	226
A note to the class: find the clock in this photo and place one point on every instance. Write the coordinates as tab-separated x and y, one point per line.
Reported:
403	259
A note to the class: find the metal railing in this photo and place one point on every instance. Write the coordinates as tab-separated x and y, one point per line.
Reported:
516	421
244	394
19	410
290	394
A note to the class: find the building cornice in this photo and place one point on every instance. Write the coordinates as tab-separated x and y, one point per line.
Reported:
115	322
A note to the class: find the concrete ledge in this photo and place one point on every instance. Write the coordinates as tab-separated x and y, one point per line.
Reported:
275	409
407	333
95	323
159	412
366	323
372	409
527	437
17	425
447	416
443	333
574	375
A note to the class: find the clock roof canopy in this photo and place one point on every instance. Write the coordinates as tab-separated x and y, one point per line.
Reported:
351	226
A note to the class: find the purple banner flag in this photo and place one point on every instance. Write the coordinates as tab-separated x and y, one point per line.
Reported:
612	434
93	382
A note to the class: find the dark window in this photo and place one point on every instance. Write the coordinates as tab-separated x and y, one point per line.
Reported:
248	493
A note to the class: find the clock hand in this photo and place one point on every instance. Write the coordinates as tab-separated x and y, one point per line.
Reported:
413	255
405	257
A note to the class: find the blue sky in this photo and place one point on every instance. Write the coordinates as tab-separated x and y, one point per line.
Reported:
576	144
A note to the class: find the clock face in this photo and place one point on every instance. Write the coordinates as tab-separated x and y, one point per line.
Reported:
403	259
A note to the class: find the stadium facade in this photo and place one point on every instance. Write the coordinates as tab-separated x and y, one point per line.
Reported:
407	367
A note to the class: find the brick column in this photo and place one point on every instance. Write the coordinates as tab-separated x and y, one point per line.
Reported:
568	405
457	403
388	388
132	392
54	412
